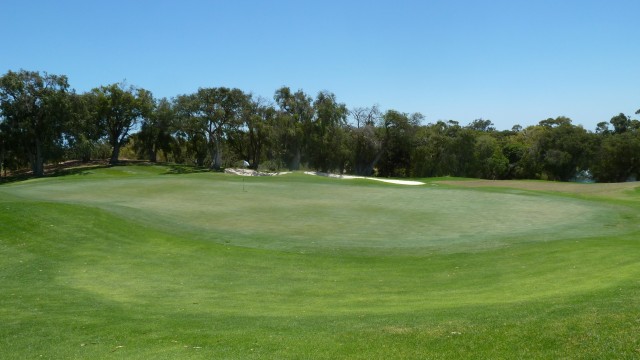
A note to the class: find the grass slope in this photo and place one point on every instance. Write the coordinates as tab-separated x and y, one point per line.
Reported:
132	262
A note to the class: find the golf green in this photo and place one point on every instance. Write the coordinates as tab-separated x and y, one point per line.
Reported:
305	214
141	262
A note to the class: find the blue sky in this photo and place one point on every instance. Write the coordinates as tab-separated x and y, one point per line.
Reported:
514	62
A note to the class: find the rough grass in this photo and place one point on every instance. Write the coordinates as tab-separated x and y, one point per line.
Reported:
604	190
128	262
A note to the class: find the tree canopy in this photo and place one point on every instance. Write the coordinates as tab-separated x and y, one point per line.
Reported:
42	121
34	109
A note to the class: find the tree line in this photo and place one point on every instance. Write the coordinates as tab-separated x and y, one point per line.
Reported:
43	121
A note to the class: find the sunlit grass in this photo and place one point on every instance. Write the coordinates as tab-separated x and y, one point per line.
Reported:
107	265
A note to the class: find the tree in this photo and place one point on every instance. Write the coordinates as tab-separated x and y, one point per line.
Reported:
552	123
482	125
563	149
621	123
33	111
602	128
430	151
491	163
365	116
296	112
366	145
214	113
461	151
515	148
118	109
82	133
618	158
250	140
155	131
398	130
327	139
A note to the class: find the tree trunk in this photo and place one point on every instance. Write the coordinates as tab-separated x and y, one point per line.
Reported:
38	163
369	170
115	154
2	165
153	155
295	163
217	164
217	155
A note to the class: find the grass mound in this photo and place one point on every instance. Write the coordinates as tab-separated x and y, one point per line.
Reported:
147	262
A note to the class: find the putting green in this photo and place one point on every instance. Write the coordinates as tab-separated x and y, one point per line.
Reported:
126	262
303	213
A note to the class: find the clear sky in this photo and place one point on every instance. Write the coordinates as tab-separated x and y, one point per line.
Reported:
512	61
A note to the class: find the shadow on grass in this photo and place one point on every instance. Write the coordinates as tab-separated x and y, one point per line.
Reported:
176	169
80	168
64	169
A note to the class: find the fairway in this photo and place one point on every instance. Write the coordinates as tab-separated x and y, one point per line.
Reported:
141	262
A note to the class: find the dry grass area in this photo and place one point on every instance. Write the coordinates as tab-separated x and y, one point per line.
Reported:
602	189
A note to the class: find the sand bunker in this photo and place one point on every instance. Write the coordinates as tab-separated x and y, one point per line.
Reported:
251	172
392	181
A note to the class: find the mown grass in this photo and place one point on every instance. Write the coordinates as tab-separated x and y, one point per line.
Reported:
128	262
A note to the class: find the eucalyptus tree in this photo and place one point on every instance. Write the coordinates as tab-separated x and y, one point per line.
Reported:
617	156
562	149
366	145
398	139
617	159
490	161
251	139
34	110
296	115
118	109
602	128
156	131
483	125
363	116
83	133
213	113
623	123
430	151
328	140
461	150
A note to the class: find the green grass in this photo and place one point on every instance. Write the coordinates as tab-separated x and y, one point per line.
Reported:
146	262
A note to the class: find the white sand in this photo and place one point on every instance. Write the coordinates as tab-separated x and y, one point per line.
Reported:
251	172
392	181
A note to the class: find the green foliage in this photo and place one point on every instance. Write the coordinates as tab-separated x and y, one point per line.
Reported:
34	111
327	145
483	125
365	144
41	122
492	163
397	135
117	109
156	131
211	114
293	131
618	158
564	149
251	140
